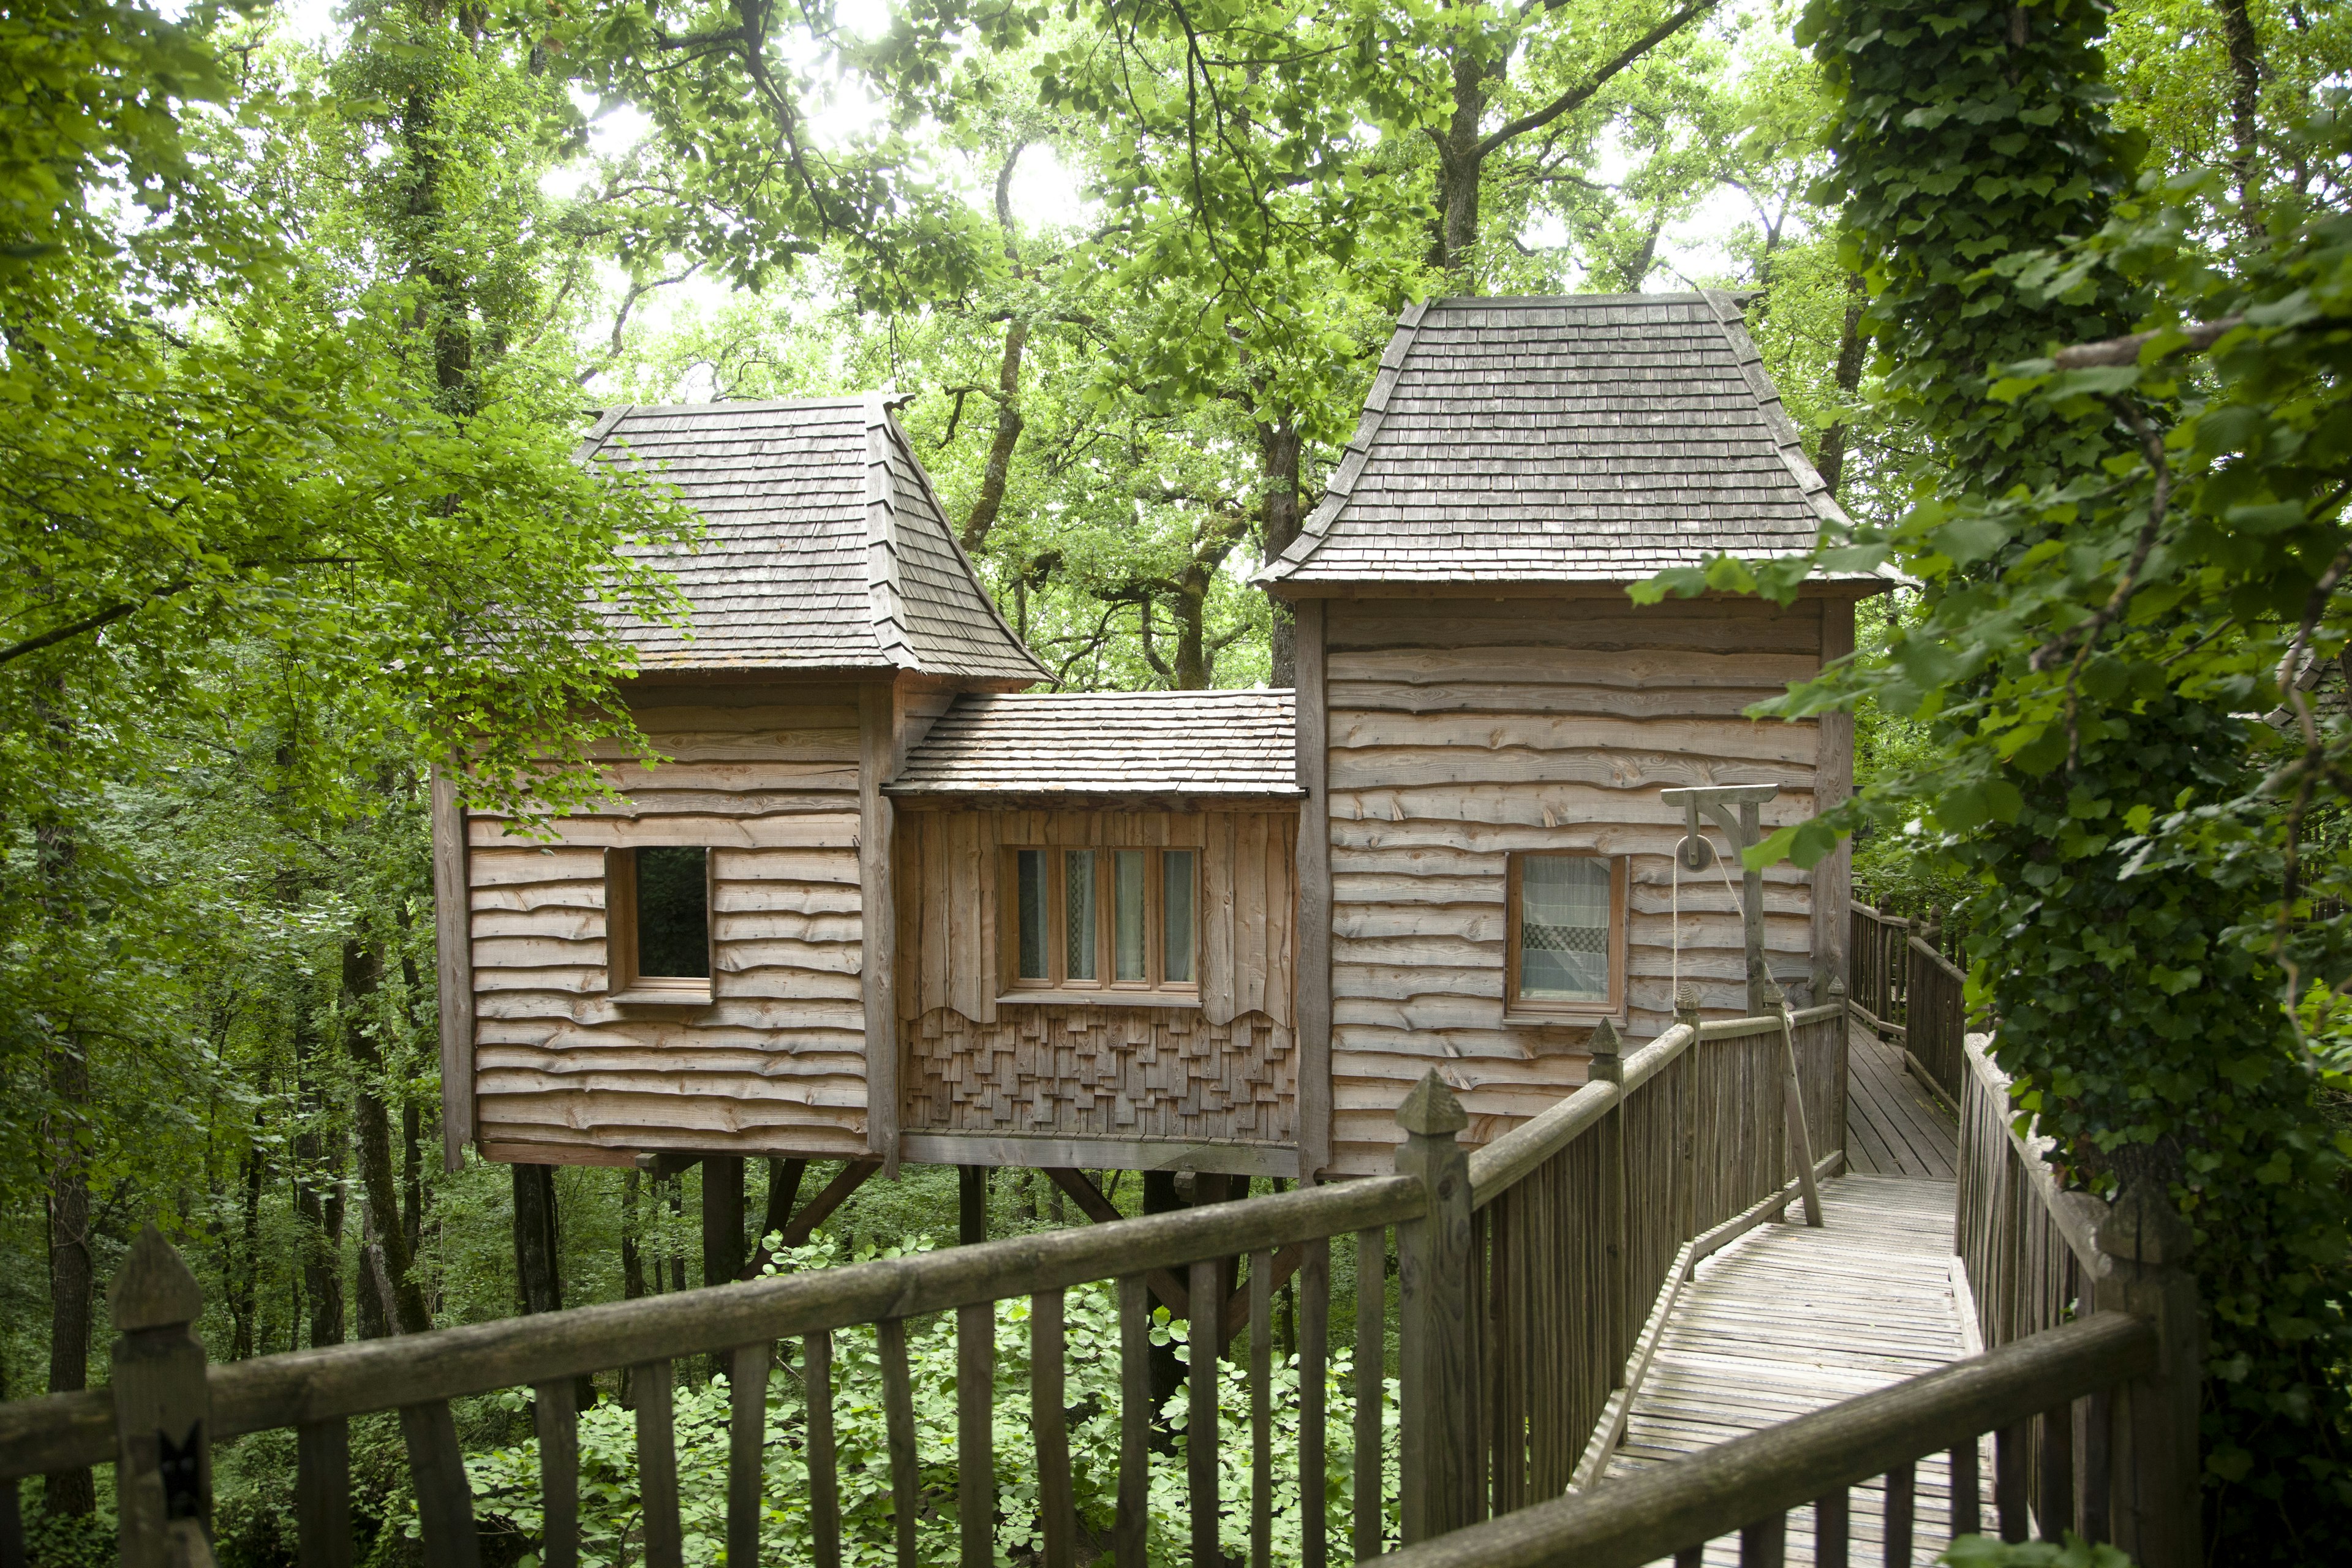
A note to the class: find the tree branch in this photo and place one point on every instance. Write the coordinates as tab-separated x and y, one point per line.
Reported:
1579	94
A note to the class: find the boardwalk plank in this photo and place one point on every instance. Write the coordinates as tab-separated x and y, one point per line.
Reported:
1788	1320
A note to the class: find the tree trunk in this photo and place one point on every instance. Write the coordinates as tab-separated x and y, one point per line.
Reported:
1009	423
1279	446
362	969
537	1282
1166	1371
1459	165
783	1194
318	1189
1849	376
2245	109
412	1177
69	1492
244	1290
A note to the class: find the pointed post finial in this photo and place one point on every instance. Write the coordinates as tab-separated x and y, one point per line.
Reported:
1431	1110
153	1289
1608	1062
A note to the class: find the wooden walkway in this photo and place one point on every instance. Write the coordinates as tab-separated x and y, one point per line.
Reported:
1788	1319
1894	1126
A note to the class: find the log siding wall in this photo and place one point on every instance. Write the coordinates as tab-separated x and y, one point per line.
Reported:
766	777
1462	730
1222	1071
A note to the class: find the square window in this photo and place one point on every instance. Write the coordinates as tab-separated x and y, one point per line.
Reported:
658	922
1567	938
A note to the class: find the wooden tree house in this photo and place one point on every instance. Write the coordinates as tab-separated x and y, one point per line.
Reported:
945	920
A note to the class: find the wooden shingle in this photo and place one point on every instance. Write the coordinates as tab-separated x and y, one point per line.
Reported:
1205	744
825	546
1598	438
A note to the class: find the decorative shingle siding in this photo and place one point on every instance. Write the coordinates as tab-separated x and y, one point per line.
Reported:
1584	438
1205	743
825	548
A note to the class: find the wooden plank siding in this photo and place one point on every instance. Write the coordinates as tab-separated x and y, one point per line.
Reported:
1463	729
1222	1070
766	777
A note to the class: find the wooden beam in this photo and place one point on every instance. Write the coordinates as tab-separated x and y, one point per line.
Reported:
1314	914
814	1212
1031	1153
453	925
878	917
1237	1305
1172	1292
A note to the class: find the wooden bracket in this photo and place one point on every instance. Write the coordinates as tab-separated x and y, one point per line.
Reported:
812	1213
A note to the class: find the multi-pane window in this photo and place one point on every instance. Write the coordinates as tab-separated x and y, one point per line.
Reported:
1567	938
1104	919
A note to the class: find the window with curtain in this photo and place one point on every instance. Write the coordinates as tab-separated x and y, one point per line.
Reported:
1566	946
1113	920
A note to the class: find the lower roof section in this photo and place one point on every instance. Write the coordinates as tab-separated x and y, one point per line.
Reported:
1201	747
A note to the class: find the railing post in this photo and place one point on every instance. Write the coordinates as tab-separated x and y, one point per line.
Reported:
1608	1066
162	1407
1438	1404
2153	1449
1687	1017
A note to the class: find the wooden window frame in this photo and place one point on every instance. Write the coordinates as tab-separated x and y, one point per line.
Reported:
623	982
1155	990
1517	1009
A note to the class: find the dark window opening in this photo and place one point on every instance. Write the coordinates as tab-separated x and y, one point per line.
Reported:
673	913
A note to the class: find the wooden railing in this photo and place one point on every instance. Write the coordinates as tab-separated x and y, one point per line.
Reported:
1525	1265
1911	994
2089	1395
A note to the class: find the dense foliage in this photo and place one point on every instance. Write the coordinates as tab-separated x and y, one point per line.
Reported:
2126	556
297	330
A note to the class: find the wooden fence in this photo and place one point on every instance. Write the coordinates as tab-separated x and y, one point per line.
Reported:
2089	1394
1526	1265
1911	994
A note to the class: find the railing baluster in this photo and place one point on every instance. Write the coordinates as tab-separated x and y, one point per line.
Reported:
1371	1368
12	1524
976	1435
323	1494
1133	1532
1901	1501
2054	1446
1691	1557
555	1415
746	1445
657	1467
1205	1307
1261	1331
2008	1447
1314	1356
2098	1421
1050	1418
899	1432
1765	1543
1832	1530
1968	1492
824	1484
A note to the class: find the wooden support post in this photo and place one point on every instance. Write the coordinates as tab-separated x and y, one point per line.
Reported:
877	730
722	1218
1752	912
2154	1463
971	1205
162	1410
1792	1101
1438	1404
1618	1310
454	966
1314	871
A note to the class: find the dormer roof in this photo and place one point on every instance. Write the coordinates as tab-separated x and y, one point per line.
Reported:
1592	438
826	547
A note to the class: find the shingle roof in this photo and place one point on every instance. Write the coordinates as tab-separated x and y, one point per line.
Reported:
825	546
1198	744
1596	437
